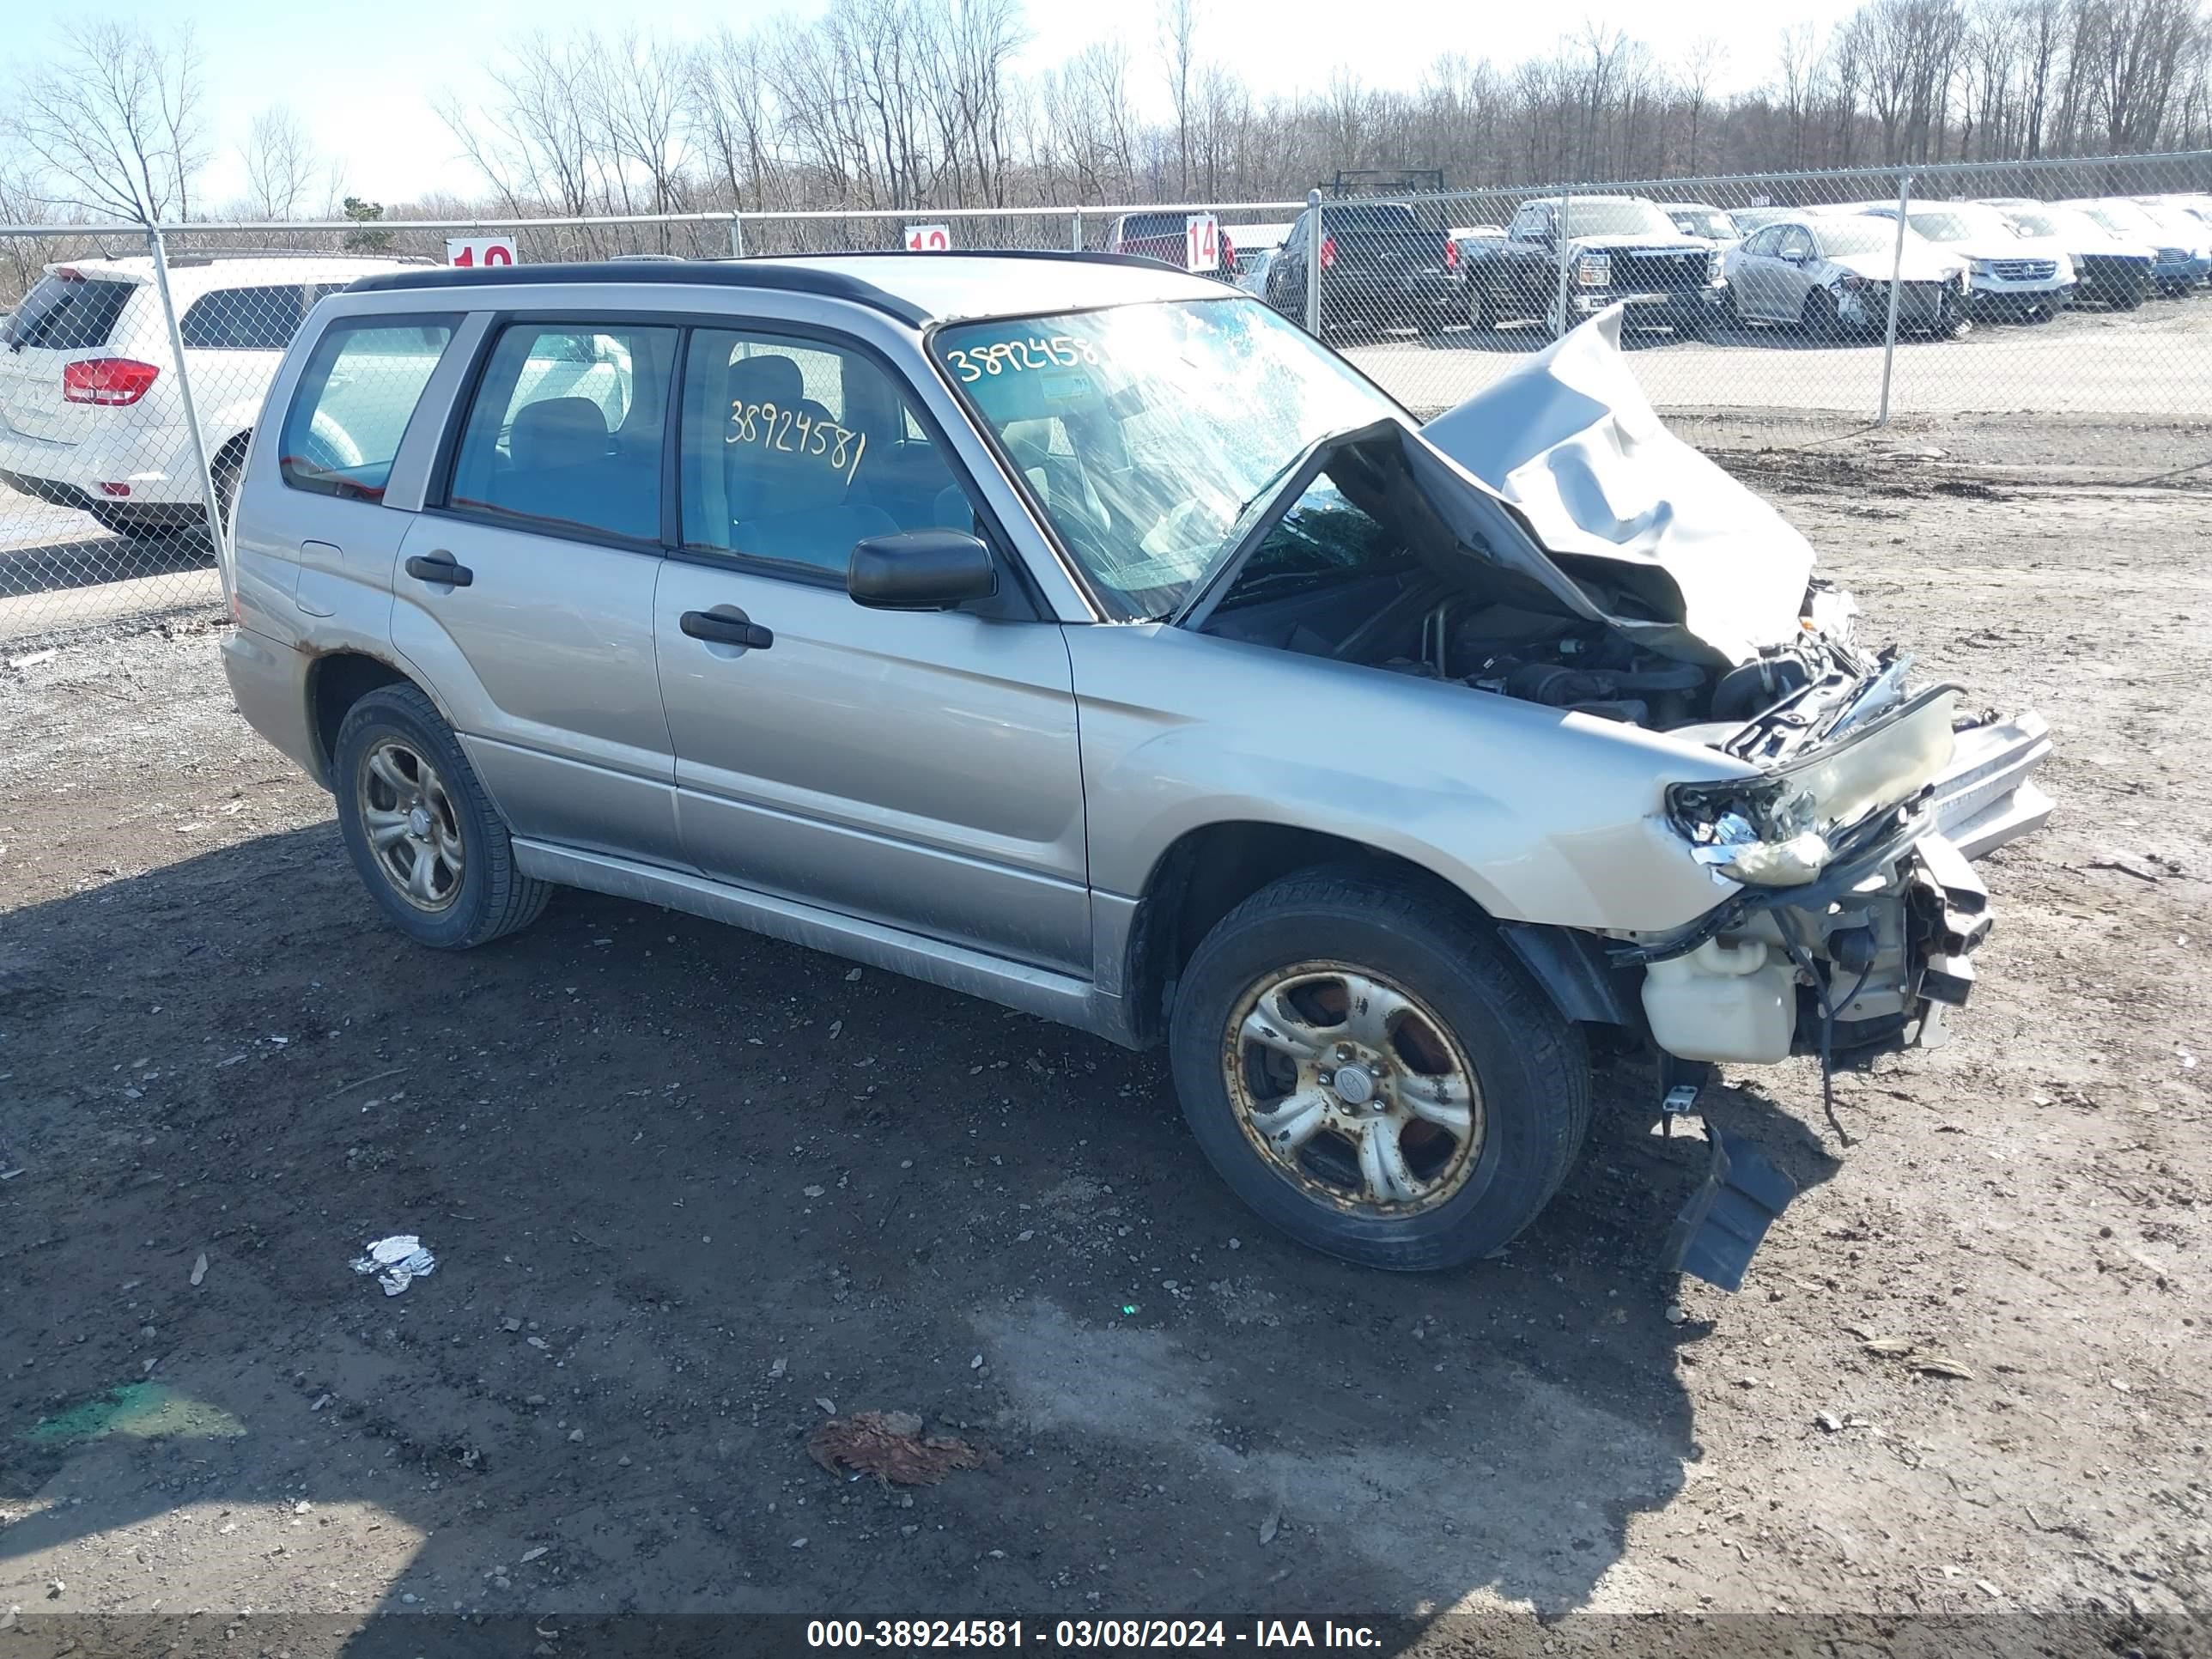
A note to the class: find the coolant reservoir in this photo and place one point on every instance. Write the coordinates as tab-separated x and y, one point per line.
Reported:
1726	999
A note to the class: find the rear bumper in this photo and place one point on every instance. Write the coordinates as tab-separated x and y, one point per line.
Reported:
1391	299
148	461
269	683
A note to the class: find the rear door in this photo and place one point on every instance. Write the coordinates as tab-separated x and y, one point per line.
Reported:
917	768
70	317
524	594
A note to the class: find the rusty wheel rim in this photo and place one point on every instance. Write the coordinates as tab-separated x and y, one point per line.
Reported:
1353	1089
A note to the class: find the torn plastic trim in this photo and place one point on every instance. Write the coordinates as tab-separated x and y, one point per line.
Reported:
1726	1220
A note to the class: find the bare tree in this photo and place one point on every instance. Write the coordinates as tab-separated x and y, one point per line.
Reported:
1701	67
732	116
1178	25
113	122
281	165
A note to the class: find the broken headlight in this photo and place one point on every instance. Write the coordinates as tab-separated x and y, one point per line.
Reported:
1777	827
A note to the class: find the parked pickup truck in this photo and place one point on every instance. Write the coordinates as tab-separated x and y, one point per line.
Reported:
1618	248
1381	267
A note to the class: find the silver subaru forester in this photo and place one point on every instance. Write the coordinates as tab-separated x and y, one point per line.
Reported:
1083	636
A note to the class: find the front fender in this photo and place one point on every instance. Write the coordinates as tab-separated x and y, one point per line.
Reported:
1536	814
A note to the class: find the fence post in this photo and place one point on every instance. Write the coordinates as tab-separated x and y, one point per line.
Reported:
1896	275
1560	239
1075	233
736	236
1313	264
217	537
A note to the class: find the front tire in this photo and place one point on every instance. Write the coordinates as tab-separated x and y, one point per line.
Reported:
423	835
1821	319
1369	1072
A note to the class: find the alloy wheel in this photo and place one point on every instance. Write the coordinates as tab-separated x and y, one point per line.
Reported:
1353	1089
414	833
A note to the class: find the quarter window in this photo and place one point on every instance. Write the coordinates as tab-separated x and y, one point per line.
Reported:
565	432
244	319
793	451
359	391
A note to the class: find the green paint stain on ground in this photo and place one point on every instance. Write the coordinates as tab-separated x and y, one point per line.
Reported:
142	1410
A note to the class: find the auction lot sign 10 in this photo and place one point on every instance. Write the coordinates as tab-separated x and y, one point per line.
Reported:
470	252
929	239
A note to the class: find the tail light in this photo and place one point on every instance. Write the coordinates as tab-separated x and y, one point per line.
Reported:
108	380
1328	253
1228	254
1452	254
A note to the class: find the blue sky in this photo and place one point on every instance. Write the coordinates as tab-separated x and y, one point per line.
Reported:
362	76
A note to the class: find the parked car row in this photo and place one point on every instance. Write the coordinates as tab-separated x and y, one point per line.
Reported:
1824	271
92	409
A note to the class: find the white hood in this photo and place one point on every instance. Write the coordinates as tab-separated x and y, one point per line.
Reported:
1569	440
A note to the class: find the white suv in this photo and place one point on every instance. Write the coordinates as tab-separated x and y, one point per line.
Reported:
90	414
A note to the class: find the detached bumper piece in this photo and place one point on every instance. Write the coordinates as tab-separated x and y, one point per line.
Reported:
1718	1230
1985	799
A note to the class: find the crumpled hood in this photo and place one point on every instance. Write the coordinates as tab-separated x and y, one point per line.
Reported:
1569	441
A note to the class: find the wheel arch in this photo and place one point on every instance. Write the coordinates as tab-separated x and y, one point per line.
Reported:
337	681
1205	873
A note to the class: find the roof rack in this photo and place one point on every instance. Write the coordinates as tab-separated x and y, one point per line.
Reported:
207	256
803	273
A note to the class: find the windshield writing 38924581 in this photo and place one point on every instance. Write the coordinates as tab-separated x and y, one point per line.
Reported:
1013	357
793	432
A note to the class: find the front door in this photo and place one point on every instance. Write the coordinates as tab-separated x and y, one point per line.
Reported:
523	595
916	769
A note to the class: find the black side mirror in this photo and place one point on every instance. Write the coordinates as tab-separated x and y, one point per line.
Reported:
920	570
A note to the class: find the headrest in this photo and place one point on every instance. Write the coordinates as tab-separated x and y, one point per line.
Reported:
558	431
769	380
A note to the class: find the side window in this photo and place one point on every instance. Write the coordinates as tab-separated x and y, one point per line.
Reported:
792	451
1760	242
566	430
359	391
1796	243
243	320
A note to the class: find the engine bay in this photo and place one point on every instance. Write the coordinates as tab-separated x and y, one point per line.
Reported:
1409	623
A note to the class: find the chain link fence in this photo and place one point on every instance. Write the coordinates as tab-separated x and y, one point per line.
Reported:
135	362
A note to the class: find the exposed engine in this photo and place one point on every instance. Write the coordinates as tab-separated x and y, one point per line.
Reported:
1800	689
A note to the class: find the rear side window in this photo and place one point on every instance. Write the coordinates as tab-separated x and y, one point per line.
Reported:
792	451
243	320
566	430
351	409
68	313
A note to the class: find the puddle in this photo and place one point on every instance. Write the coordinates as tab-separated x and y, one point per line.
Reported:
142	1411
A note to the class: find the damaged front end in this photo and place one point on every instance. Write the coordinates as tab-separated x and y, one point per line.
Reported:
1573	554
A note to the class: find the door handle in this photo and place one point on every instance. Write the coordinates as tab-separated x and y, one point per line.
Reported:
440	568
726	628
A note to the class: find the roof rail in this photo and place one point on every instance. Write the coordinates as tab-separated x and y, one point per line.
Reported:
803	273
207	256
734	273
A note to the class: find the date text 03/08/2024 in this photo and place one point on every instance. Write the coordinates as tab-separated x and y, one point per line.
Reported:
1084	1634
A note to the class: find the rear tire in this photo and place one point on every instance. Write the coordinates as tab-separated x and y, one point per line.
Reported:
423	835
1457	1095
1481	309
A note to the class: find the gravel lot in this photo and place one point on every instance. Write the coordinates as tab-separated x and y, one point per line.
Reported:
689	1191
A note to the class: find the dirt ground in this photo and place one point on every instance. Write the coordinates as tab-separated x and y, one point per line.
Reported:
691	1191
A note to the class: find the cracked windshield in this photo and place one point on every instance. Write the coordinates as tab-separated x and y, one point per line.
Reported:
1145	431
